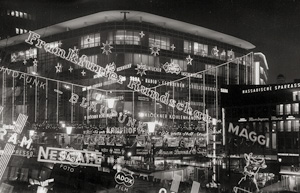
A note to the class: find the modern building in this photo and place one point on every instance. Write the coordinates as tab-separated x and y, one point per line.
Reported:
264	120
260	69
16	19
157	70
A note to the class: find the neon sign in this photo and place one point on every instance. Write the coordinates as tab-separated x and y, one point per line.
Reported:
124	181
70	156
253	165
252	136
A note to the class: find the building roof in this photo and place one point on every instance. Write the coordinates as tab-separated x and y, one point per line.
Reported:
263	58
116	15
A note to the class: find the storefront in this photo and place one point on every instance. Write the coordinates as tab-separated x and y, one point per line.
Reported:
290	177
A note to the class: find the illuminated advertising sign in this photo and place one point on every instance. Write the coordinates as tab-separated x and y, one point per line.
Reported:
70	156
124	181
252	136
271	88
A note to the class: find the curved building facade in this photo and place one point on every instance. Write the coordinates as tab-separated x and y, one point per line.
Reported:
156	70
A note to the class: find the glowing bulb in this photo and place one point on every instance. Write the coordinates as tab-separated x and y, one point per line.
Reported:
151	127
69	130
141	114
110	103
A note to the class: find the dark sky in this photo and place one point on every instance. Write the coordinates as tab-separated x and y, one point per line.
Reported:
272	26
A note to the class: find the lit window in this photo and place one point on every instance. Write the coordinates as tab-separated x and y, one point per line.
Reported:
288	126
200	49
162	42
17	14
187	47
280	126
24	55
25	30
21	31
295	125
17	31
279	109
296	96
25	15
127	37
295	108
287	109
12	13
21	14
274	141
91	40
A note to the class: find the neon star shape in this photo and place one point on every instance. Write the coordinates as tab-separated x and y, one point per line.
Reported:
189	60
141	69
142	34
58	68
35	63
13	58
70	69
76	50
106	48
83	73
172	47
155	49
215	51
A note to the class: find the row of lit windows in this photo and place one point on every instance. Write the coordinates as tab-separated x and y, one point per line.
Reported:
21	31
287	126
207	51
90	40
287	109
162	42
23	55
19	14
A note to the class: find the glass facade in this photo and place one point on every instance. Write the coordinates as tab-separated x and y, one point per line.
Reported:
170	79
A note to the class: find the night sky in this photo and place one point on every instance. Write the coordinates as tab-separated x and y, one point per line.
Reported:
272	26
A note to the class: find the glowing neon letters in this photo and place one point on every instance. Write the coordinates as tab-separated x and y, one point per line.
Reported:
252	136
136	86
125	179
70	156
72	56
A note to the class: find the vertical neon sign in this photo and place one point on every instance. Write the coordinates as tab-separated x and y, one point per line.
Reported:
9	148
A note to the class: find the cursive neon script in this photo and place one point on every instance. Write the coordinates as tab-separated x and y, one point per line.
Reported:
73	57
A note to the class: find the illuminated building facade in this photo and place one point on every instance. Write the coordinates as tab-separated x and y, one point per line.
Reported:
261	69
157	70
16	20
264	120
